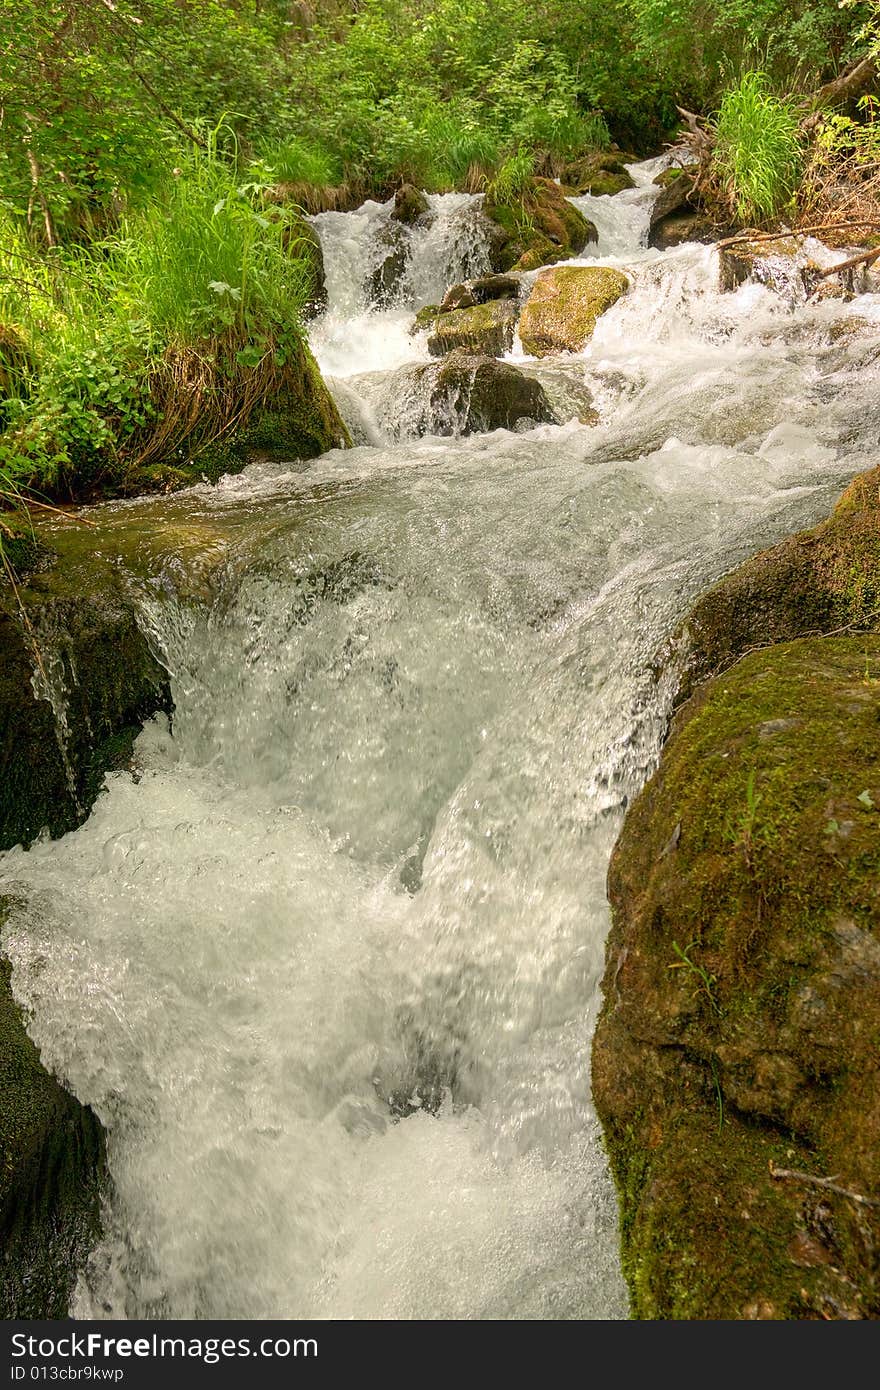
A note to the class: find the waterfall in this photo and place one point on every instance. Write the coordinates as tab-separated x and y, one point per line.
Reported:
327	965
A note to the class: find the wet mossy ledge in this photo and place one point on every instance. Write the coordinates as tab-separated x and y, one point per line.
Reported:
68	630
735	1059
77	681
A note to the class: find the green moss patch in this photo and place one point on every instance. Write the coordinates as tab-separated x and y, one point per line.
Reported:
564	306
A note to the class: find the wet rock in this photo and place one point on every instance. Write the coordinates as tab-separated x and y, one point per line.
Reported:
480	291
52	1166
410	205
470	394
564	305
541	229
677	216
681	227
735	1055
599	174
752	260
73	634
424	319
385	283
484	328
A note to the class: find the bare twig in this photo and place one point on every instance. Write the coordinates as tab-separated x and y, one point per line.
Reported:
829	1184
863	258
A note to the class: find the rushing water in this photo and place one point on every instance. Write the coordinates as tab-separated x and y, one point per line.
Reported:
327	966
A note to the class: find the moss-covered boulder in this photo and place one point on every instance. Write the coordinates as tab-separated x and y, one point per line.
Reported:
410	205
599	174
300	421
52	1165
77	680
541	228
424	319
470	394
818	581
735	1059
487	329
564	305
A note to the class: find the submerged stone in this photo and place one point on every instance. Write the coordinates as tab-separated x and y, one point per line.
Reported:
52	1166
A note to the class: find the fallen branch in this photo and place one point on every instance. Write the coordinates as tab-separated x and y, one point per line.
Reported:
829	1184
863	258
848	85
797	231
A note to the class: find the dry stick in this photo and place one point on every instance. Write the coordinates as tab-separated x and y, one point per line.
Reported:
863	258
830	1184
796	231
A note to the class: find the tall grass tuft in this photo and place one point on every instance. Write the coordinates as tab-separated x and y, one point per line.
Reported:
512	180
758	153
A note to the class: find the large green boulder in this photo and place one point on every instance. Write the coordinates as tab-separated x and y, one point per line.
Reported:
735	1059
540	228
564	306
599	174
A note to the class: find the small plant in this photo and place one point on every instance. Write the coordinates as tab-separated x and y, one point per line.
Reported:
705	982
758	153
512	180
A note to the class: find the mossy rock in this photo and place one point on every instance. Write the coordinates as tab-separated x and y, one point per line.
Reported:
542	228
472	394
424	319
410	205
601	175
72	624
52	1166
487	329
741	1020
818	581
564	306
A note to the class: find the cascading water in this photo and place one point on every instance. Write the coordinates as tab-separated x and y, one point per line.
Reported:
327	966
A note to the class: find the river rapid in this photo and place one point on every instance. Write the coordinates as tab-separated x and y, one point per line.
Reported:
327	963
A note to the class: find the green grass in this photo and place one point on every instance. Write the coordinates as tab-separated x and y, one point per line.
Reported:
166	334
758	153
512	180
